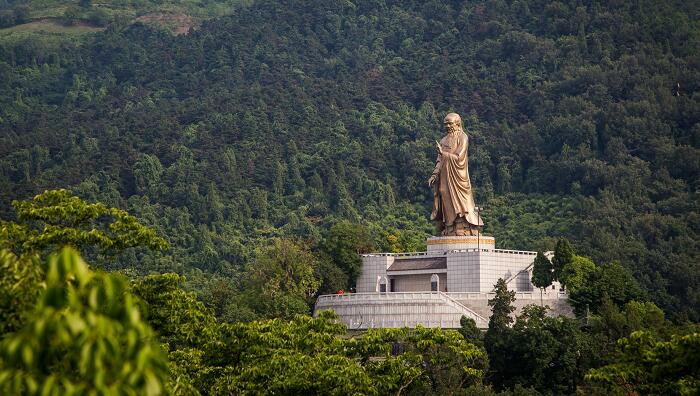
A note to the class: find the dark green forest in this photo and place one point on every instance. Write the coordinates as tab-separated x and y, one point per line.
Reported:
70	328
292	135
285	116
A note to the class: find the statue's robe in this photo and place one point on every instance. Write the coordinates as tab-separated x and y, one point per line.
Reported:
452	189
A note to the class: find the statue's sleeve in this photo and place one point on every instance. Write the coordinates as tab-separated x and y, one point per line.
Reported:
463	146
438	164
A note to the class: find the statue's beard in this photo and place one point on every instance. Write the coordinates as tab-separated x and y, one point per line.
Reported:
453	130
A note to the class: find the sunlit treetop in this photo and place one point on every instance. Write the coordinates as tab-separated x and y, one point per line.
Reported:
57	217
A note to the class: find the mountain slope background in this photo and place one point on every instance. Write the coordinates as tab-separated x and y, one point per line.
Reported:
283	117
24	15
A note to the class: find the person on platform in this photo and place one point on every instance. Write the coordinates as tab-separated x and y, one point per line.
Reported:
453	204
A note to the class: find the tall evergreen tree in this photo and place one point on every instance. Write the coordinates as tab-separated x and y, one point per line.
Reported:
542	272
563	255
501	308
496	339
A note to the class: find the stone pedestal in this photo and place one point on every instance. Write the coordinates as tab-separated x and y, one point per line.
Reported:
463	269
440	245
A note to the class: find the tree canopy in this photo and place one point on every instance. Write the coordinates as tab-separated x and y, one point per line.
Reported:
57	218
273	144
85	335
283	118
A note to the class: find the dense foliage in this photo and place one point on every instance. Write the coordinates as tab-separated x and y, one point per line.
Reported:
20	284
271	146
85	336
66	329
283	116
653	367
56	218
620	349
92	332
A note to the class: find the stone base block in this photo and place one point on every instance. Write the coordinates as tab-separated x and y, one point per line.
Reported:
443	244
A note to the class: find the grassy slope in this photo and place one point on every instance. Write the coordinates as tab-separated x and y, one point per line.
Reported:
49	26
47	15
50	8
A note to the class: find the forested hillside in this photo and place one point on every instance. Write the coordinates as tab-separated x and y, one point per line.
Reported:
285	117
67	17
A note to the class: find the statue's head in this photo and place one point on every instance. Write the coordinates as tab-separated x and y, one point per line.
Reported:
453	122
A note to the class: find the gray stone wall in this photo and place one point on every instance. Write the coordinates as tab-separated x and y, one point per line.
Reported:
467	284
429	309
373	265
478	302
395	310
463	273
417	282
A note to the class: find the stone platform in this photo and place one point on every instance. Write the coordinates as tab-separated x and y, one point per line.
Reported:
454	277
394	310
361	311
443	244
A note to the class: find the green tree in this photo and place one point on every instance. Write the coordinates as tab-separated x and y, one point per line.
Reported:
315	356
85	336
51	220
99	17
612	323
148	176
576	273
541	352
470	332
21	13
56	218
497	337
611	281
501	308
184	326
302	356
651	367
542	272
294	182
563	255
332	277
281	280
643	316
177	316
449	362
344	244
71	15
7	18
20	284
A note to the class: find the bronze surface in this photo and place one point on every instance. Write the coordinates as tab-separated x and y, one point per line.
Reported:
455	241
453	203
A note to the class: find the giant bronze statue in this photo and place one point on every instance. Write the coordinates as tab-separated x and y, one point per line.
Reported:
453	203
